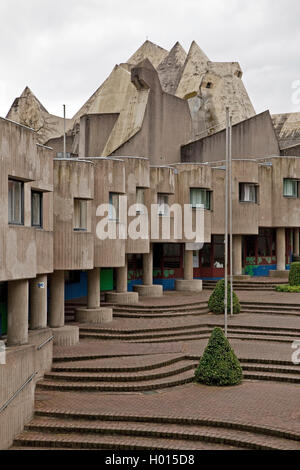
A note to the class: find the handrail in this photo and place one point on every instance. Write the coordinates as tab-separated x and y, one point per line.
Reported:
3	407
45	342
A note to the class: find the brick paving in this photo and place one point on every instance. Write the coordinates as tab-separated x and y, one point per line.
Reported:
273	406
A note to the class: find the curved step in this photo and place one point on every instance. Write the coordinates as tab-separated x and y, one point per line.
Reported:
179	379
163	431
79	441
142	376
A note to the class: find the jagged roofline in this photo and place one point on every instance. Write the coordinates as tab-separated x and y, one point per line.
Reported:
27	91
145	50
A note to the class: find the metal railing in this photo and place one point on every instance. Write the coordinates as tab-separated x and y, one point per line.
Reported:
45	342
3	407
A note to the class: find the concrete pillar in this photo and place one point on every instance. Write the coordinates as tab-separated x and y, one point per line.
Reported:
122	276
188	265
148	267
280	248
17	312
93	286
237	255
296	242
57	299
38	302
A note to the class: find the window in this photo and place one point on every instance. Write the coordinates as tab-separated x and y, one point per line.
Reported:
113	206
248	192
80	214
209	85
200	198
140	199
162	201
290	188
15	202
36	209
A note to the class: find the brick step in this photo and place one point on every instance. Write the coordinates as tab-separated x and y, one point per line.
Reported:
270	305
244	288
272	376
276	369
157	308
256	311
166	382
132	364
88	376
182	330
197	308
161	315
231	335
222	435
78	441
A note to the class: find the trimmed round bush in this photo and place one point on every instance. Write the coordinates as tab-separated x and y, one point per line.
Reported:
219	365
294	274
216	300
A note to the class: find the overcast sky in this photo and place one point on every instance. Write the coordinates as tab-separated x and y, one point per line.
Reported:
64	49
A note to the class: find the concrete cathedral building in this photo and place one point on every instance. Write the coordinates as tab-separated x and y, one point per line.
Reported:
154	131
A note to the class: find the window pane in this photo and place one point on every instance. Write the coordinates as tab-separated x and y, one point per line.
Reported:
200	198
15	202
80	214
162	201
248	192
36	200
290	188
113	206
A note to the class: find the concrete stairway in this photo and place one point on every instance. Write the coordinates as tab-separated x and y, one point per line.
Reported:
269	308
248	285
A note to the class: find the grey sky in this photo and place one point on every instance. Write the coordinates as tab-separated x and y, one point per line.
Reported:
64	49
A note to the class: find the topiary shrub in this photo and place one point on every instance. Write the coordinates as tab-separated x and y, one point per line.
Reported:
294	274
219	364
216	300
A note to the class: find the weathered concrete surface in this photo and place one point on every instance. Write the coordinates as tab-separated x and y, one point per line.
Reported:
287	128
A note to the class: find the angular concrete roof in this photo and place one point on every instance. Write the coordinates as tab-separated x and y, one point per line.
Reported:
149	51
287	127
171	67
194	68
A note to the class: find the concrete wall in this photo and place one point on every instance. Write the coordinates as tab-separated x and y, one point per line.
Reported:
252	138
72	179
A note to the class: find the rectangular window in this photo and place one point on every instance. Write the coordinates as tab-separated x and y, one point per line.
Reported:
140	199
248	192
36	209
290	188
113	206
80	214
162	201
15	202
200	198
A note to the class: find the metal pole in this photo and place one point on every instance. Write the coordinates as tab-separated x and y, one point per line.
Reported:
230	215
226	222
65	153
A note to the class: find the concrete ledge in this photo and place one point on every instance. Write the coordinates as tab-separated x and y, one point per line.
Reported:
66	335
281	274
153	290
127	298
94	315
190	286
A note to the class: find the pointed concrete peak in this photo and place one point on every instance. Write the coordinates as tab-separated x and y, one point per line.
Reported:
178	52
27	93
151	51
195	50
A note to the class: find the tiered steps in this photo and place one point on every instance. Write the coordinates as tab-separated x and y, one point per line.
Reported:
270	308
84	431
160	311
248	285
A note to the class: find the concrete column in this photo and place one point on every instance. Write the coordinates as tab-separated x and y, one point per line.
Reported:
93	294
188	265
17	312
148	267
57	299
38	302
296	241
237	255
122	276
280	248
